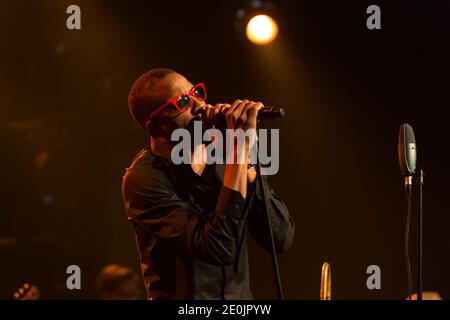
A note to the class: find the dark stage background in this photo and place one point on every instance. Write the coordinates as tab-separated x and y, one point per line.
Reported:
66	135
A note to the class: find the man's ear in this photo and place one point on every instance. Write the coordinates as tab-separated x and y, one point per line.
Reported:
156	129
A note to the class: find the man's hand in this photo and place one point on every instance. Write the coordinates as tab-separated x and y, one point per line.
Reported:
240	115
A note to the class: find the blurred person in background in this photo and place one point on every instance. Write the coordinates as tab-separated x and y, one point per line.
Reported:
116	282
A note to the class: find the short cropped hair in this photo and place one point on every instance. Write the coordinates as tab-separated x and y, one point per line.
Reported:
112	276
141	99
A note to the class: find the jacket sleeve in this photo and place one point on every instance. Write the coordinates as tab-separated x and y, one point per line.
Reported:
152	203
282	223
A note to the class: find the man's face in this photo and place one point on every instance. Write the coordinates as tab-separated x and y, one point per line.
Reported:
169	87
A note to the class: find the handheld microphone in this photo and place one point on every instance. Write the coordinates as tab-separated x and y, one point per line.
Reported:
265	113
269	113
407	154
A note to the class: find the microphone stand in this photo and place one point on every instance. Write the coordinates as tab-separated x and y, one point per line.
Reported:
420	177
273	253
419	263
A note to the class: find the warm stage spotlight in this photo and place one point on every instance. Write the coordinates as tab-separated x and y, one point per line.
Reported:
261	29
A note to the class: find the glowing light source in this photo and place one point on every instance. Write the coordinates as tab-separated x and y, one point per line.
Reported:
261	29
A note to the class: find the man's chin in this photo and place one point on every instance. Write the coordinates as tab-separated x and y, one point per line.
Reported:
198	117
191	125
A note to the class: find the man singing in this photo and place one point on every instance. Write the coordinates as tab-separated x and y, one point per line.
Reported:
189	219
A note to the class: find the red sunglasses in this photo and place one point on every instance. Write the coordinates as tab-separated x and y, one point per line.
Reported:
182	102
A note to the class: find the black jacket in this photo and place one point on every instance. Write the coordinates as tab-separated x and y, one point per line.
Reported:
190	230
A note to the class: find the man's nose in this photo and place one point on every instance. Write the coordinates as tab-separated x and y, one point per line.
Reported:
198	106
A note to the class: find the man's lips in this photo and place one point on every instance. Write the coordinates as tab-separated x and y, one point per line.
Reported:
198	116
199	113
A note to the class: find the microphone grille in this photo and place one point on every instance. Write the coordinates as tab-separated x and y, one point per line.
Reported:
409	134
407	149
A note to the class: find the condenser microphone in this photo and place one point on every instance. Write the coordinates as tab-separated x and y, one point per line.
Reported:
407	154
